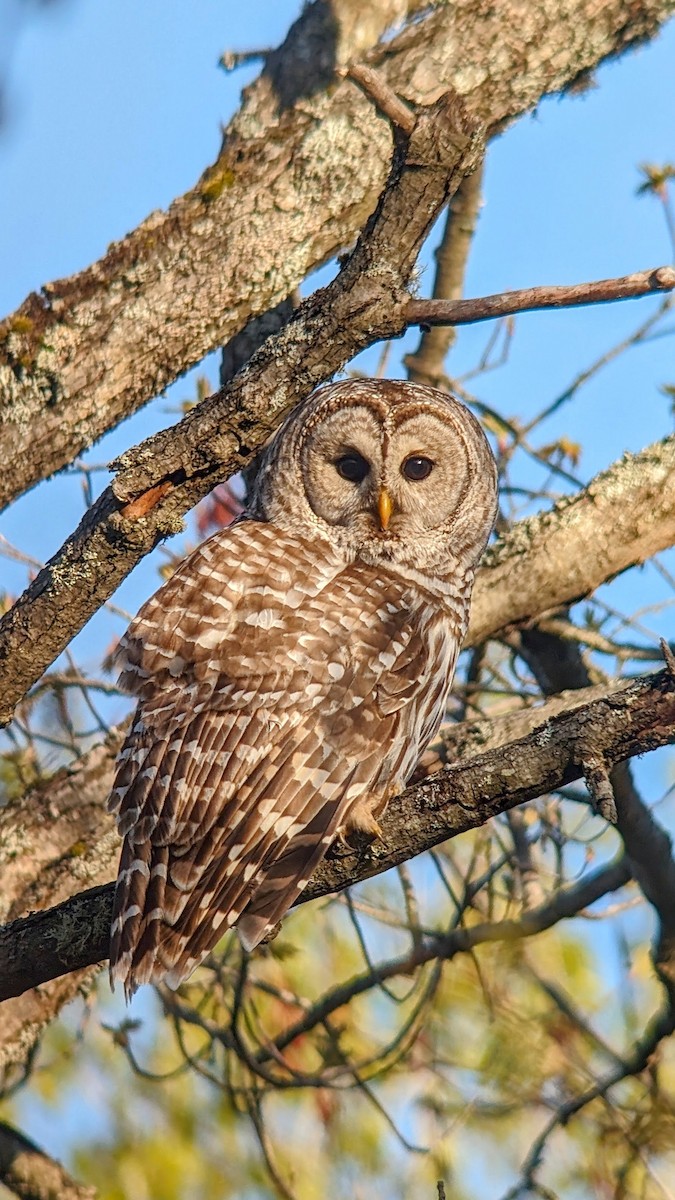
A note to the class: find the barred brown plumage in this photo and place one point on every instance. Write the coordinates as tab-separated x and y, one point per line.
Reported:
292	670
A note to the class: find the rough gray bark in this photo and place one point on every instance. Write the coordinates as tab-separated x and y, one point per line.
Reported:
54	840
57	837
624	517
30	1174
25	1019
300	168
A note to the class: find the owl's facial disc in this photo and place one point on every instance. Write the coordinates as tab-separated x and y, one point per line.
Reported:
382	474
384	471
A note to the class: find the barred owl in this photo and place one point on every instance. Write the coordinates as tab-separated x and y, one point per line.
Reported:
294	667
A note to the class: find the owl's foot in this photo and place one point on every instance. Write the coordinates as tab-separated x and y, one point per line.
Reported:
362	827
359	840
353	838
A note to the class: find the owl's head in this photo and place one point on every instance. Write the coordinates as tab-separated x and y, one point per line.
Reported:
386	471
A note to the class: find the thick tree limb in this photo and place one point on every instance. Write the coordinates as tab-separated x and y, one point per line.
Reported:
58	838
624	517
367	302
53	840
29	1173
630	721
301	166
25	1019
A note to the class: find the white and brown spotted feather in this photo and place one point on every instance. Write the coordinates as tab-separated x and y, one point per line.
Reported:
290	673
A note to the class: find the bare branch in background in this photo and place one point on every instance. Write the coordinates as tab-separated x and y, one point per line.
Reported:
648	848
486	308
626	513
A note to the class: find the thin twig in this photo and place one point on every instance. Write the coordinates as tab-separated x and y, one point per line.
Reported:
660	1027
565	903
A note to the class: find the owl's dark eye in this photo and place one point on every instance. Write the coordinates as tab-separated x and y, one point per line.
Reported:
417	467
353	467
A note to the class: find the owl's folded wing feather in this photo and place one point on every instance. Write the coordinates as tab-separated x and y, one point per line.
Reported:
269	705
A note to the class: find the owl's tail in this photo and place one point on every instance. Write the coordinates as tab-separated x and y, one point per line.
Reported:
138	911
161	932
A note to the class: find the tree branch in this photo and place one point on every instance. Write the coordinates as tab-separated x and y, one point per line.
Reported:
659	1027
504	304
630	721
397	112
25	1019
564	904
54	840
557	664
58	838
84	352
623	517
29	1173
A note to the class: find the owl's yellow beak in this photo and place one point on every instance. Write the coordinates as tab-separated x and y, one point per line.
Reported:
385	507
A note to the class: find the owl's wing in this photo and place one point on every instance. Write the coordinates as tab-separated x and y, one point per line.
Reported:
271	683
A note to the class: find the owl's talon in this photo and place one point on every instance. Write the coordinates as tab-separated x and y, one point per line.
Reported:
340	847
373	830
